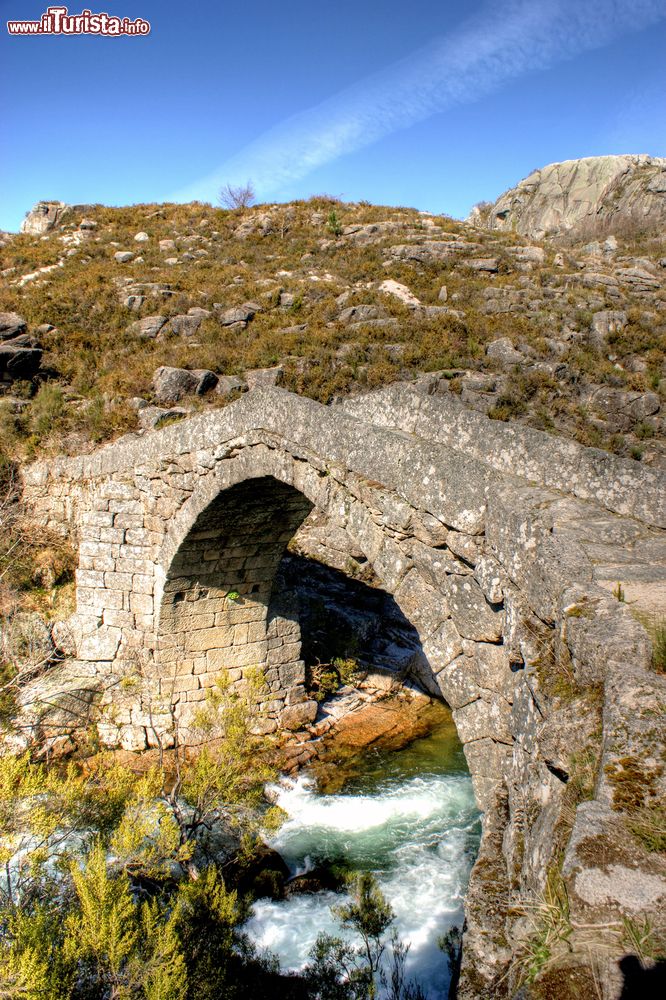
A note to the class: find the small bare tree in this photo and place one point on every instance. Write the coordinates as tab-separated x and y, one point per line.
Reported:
237	196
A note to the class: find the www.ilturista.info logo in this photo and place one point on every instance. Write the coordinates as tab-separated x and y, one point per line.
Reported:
58	21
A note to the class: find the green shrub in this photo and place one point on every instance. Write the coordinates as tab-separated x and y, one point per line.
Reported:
333	223
47	410
327	678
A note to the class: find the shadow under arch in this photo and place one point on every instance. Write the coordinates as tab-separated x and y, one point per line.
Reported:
216	609
346	617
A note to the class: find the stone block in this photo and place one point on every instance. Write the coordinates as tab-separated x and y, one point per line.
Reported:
425	607
143	584
141	536
132	552
291	673
141	603
471	613
144	567
117	619
238	615
100	645
241	634
93	548
186	682
287	653
103	564
184	623
133	739
97	519
111	490
253	654
489	717
256	631
486	760
210	638
442	646
458	683
435	565
125	506
118	581
194	697
90	579
99	599
112	535
489	576
464	546
129	521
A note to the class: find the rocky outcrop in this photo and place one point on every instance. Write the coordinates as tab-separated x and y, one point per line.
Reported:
44	216
595	195
172	384
47	215
20	353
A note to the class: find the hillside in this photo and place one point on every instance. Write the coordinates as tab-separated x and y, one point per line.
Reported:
117	319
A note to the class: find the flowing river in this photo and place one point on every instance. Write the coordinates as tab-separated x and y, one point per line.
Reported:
409	817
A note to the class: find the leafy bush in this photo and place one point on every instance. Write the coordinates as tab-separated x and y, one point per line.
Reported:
327	678
93	905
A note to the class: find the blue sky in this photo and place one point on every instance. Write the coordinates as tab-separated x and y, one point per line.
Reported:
436	105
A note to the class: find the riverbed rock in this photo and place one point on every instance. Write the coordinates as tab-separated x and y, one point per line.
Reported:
318	879
296	716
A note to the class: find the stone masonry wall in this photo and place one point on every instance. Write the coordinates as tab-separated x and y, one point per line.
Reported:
234	549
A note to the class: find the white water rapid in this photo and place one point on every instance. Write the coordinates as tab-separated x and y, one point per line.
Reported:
410	818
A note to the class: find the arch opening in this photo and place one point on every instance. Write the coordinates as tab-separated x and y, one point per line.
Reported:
215	606
234	599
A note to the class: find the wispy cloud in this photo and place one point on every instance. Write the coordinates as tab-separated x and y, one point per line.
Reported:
501	42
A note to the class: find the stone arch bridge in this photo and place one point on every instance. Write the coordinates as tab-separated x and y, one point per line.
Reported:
500	544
